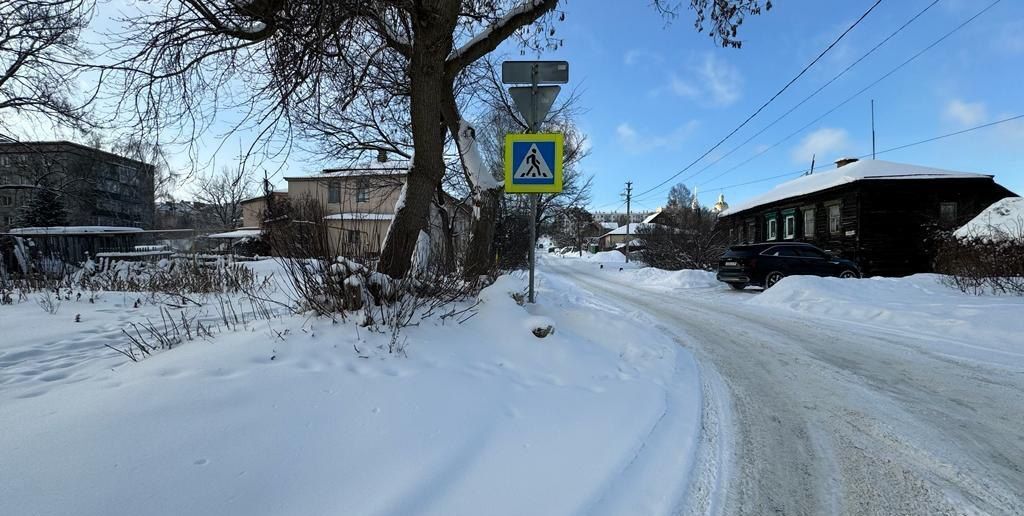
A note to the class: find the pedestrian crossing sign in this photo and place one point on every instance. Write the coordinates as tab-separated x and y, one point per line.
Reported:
533	163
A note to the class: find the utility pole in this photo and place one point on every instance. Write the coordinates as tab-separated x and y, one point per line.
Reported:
629	217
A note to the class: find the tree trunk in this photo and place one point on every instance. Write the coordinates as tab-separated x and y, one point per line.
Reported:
479	254
433	27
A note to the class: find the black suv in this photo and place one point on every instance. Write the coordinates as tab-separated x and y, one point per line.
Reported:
765	264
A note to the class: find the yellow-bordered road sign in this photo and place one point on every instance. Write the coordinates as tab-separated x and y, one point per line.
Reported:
533	163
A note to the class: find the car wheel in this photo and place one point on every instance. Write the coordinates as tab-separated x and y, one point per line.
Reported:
848	274
737	286
772	278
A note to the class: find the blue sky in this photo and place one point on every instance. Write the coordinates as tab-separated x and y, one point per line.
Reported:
658	95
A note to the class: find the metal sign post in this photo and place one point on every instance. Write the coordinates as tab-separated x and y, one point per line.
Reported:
534	164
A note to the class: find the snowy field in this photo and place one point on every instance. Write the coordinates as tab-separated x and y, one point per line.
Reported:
298	415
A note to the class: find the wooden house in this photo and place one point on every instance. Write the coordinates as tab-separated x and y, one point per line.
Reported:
880	214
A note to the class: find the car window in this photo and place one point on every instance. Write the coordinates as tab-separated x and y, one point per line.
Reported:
811	252
781	250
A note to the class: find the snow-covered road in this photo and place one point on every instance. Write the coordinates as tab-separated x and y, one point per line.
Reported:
811	415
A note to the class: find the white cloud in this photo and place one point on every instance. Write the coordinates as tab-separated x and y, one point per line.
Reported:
632	141
966	114
712	82
639	56
825	144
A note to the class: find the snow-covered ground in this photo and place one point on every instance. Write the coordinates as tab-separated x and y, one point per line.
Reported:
299	415
827	396
920	305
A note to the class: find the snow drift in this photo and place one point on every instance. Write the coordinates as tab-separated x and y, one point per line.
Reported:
920	304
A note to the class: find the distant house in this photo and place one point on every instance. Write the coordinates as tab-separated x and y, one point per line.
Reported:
254	209
358	204
618	237
875	212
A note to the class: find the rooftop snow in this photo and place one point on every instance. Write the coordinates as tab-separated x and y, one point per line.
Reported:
857	171
374	168
633	227
360	216
238	233
1003	220
74	230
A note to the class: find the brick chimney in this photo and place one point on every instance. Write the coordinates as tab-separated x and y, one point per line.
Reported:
382	156
842	162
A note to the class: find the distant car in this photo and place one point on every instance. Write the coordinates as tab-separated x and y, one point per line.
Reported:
765	264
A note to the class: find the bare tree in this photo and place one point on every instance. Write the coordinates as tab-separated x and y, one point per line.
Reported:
330	66
39	57
223	194
725	16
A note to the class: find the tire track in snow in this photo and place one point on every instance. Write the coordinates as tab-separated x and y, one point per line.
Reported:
846	419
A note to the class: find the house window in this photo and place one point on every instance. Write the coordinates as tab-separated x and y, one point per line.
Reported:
333	192
789	226
5	200
947	212
751	231
834	219
353	237
362	190
809	223
773	229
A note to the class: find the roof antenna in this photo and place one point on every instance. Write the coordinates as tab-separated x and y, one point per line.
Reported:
811	171
872	128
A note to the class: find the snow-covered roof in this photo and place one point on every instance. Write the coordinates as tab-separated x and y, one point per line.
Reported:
633	227
651	217
238	233
1003	220
74	230
857	171
360	216
373	168
609	225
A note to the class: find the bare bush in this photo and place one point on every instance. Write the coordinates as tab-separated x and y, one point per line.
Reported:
983	265
49	302
684	238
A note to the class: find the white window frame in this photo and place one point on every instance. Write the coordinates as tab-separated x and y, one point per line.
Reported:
789	226
773	229
836	228
809	212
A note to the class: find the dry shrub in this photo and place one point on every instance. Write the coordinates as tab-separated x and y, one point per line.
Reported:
683	239
983	265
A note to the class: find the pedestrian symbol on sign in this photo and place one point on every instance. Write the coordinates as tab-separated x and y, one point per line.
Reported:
533	163
533	168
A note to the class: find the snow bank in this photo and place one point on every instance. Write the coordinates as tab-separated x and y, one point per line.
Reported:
920	304
651	277
605	257
305	416
1003	220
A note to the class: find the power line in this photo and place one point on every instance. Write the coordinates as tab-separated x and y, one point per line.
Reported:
858	93
891	149
769	101
815	92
